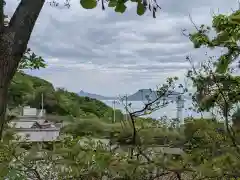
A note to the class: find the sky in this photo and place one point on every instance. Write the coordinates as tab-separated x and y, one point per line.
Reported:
109	53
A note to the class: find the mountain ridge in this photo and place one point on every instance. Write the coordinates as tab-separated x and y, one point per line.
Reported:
95	96
148	95
140	95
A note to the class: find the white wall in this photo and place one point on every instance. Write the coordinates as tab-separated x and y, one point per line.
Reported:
19	124
38	135
29	111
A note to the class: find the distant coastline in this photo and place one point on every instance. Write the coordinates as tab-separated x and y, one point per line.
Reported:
95	96
140	95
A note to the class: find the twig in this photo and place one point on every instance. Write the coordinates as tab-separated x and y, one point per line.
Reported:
195	26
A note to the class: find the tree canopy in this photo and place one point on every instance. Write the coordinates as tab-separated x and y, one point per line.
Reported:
227	36
28	90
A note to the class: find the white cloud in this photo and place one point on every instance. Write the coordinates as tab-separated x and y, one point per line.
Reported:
109	53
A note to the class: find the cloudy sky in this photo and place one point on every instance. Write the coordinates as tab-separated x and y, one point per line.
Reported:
108	53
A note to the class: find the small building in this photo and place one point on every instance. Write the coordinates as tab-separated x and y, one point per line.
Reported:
31	126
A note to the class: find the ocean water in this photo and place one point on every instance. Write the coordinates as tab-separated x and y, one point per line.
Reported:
170	110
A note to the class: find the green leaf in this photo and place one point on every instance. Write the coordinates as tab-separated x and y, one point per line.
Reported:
223	64
88	4
235	19
31	61
140	9
112	3
121	7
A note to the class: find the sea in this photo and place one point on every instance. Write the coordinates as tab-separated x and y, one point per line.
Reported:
170	110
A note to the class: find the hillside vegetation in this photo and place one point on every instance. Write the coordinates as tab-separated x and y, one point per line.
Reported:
27	90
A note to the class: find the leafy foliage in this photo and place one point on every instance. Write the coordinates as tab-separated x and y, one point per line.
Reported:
208	155
216	143
120	5
226	29
31	61
88	4
214	89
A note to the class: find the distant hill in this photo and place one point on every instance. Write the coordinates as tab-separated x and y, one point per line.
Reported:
27	90
95	96
145	94
140	95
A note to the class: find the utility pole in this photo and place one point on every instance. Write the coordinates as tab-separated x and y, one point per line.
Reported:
42	101
113	121
114	114
42	106
126	107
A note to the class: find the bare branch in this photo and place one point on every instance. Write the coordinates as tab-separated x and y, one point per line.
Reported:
195	26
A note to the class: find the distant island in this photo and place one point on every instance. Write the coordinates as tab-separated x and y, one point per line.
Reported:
140	95
95	96
148	94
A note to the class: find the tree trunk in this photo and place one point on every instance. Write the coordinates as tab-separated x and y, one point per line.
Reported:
7	70
13	43
1	15
6	74
3	106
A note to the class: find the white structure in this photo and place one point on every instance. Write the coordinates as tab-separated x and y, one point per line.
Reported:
28	111
34	128
180	107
